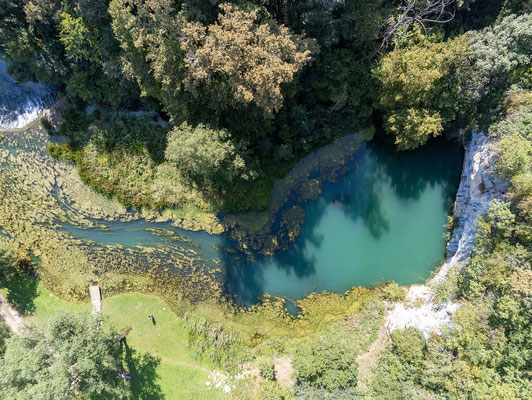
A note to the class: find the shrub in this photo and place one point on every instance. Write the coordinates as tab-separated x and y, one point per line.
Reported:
272	391
62	151
327	361
4	335
266	368
393	292
7	263
47	126
515	156
307	392
214	343
408	344
447	288
208	157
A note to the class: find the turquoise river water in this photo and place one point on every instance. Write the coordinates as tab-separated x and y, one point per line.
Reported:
384	220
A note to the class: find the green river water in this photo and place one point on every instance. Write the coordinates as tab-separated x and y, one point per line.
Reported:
385	220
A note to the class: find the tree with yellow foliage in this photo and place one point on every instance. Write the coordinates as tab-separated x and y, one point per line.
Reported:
253	58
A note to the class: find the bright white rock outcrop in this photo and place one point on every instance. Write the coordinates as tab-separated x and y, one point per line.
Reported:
478	188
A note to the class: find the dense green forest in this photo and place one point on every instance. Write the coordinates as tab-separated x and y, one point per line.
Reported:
252	86
235	93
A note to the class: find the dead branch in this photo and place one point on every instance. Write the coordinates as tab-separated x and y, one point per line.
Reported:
417	11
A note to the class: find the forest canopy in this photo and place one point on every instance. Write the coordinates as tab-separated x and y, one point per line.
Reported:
246	88
202	104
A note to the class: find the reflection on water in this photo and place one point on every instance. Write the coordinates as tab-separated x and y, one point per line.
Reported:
384	221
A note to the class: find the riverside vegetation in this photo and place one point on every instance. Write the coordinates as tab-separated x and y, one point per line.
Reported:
242	90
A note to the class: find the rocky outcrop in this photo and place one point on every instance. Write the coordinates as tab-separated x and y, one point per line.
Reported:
53	114
418	310
479	186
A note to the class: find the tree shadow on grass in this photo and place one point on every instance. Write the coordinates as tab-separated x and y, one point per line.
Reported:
143	371
22	292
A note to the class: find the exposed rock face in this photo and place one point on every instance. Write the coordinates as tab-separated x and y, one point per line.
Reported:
53	113
20	103
420	312
478	187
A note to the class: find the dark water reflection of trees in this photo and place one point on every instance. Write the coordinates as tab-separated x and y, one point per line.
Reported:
359	195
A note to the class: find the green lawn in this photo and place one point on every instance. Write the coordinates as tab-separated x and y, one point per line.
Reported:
156	356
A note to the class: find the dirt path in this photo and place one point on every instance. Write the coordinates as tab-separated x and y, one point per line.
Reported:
367	361
10	316
284	371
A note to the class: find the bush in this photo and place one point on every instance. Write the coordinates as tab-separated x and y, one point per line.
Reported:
4	335
446	289
214	343
307	392
272	391
47	126
393	292
515	156
408	344
62	151
7	263
266	368
327	361
208	157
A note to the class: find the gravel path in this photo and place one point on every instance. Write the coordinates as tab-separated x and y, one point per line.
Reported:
10	316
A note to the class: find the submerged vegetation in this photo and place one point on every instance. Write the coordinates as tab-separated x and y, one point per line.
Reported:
240	92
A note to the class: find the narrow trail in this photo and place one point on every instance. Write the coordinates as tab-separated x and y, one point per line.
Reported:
10	316
368	360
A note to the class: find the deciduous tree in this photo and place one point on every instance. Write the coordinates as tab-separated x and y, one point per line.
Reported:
254	59
208	157
419	92
72	357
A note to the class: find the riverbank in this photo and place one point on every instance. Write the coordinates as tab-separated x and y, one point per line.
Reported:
54	191
72	211
131	168
479	186
45	194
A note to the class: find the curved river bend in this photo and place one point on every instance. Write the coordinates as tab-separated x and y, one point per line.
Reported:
385	220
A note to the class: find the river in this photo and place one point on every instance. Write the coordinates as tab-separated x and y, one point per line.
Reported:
383	220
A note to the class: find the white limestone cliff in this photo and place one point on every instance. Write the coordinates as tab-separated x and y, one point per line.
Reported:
478	188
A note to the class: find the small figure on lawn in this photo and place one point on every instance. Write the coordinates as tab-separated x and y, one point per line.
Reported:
124	375
151	318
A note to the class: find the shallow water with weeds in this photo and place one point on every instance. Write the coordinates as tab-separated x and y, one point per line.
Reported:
383	220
